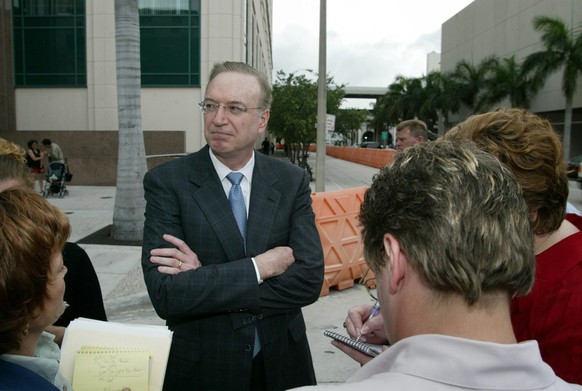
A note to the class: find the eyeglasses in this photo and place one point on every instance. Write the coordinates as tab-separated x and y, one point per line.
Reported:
235	110
370	284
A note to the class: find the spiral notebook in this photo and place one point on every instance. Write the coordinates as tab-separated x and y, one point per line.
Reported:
366	348
99	368
103	350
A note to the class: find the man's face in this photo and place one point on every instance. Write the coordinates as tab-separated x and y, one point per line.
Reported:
231	136
405	139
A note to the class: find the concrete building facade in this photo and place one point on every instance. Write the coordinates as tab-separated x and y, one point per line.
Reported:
505	28
82	117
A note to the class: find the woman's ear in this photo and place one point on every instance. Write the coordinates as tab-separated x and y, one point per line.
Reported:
396	262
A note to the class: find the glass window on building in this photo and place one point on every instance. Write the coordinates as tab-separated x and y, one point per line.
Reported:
49	43
170	42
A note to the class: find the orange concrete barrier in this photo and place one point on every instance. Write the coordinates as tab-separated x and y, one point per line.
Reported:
336	218
371	157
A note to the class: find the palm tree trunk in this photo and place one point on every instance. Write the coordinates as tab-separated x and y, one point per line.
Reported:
128	213
567	126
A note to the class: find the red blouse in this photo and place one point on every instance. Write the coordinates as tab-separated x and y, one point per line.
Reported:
552	312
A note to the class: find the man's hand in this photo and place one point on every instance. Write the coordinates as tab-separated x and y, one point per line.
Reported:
274	262
175	260
373	331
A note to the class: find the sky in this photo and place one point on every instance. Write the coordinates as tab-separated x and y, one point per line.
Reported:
369	42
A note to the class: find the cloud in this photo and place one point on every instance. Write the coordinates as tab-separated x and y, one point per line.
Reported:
368	43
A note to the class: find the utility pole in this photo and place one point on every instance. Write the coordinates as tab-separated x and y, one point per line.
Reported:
321	102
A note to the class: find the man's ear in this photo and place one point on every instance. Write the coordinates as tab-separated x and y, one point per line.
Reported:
396	262
264	120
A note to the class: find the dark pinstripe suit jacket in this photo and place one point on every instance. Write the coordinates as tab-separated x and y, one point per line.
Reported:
213	310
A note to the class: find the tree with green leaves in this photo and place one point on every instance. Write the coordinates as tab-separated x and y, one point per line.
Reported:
294	111
562	50
442	97
347	123
471	79
409	98
509	79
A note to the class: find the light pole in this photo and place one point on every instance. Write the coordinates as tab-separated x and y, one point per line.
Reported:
321	102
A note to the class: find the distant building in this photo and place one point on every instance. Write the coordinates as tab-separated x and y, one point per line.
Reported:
505	28
433	62
58	74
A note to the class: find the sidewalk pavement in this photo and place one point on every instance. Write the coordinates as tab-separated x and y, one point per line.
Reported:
90	208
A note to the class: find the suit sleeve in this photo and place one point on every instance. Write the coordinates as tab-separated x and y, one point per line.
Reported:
301	284
220	285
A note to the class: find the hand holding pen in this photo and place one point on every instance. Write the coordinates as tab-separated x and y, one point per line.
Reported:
375	311
363	322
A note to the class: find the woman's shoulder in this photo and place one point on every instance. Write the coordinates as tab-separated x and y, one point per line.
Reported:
17	377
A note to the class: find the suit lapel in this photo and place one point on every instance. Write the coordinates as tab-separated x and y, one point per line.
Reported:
263	205
212	201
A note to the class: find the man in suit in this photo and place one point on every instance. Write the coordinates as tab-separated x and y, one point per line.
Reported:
233	296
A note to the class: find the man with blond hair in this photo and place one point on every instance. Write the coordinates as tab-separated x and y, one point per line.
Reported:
447	233
409	133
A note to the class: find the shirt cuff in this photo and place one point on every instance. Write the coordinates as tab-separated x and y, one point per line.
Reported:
257	270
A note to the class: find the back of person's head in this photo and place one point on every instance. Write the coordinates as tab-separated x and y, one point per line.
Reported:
240	67
30	143
47	142
32	232
527	144
417	127
13	164
459	216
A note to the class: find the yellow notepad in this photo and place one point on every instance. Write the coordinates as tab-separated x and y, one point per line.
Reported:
156	340
99	368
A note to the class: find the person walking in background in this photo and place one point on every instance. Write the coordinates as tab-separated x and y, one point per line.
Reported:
34	158
231	251
53	151
445	285
410	132
266	145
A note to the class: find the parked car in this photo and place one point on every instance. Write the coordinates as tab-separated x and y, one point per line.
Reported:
574	166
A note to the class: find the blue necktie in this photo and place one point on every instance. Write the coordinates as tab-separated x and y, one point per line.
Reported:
237	204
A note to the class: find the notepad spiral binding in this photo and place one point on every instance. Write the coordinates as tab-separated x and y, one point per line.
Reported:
370	350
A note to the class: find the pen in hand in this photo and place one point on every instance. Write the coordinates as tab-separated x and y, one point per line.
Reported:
375	311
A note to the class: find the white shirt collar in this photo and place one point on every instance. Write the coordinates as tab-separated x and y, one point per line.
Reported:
223	170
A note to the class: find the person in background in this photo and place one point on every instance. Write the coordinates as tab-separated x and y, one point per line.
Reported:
232	294
13	170
34	158
409	133
53	151
84	292
266	146
32	285
449	252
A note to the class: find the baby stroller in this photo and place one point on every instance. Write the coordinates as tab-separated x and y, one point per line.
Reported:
56	177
